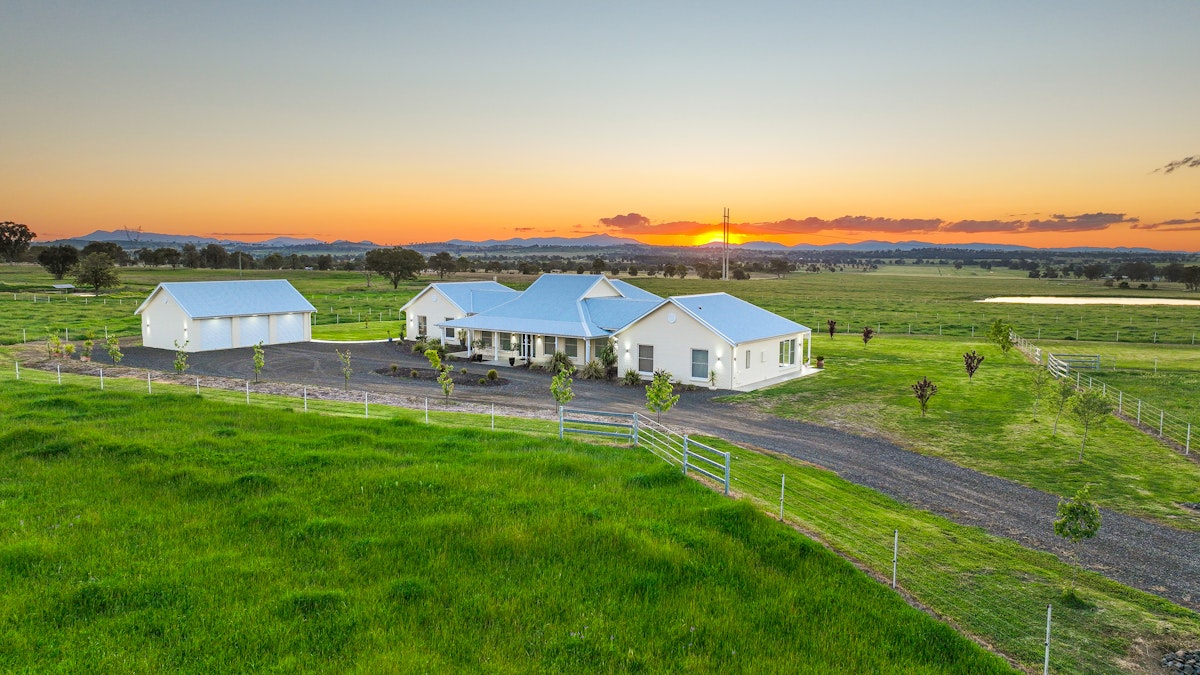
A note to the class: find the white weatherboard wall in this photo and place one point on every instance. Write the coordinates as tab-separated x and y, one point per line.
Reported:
164	323
674	334
436	308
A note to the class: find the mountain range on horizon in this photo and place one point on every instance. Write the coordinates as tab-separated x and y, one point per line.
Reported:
130	239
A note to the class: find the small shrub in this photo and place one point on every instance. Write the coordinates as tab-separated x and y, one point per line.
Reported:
559	361
592	370
631	378
413	373
493	375
483	380
394	368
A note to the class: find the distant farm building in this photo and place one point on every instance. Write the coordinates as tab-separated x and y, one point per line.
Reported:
211	315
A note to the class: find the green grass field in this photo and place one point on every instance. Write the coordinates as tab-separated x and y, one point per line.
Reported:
264	540
988	424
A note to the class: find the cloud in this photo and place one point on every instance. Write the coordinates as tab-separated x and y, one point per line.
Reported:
1085	222
628	222
973	226
1172	225
1186	162
634	223
524	229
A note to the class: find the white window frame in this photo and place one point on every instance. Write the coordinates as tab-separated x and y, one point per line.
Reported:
448	333
571	347
549	345
641	358
787	353
707	365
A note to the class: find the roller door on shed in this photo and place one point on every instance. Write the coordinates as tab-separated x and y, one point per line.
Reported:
289	328
215	333
253	330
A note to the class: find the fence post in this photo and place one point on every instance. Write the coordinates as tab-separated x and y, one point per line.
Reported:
366	408
636	426
197	386
58	368
305	393
1120	400
149	390
727	456
1046	663
1187	444
101	379
685	454
247	392
426	410
1161	414
493	413
782	488
1139	413
895	554
1078	380
560	422
17	365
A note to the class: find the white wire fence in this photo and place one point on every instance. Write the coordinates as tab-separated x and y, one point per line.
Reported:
1147	417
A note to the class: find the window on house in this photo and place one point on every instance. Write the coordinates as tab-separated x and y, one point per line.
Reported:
550	345
486	340
747	359
646	358
420	326
571	347
700	364
447	331
787	353
506	341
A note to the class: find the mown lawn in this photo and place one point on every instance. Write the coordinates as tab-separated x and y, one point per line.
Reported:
178	534
988	424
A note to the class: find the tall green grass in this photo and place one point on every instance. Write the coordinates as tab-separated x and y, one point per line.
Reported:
173	533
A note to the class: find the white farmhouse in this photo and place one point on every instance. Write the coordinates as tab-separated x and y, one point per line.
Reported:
210	315
697	338
441	302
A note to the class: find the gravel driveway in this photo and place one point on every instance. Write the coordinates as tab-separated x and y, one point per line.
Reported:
1152	557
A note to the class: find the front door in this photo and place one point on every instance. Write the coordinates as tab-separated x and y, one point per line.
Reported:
527	346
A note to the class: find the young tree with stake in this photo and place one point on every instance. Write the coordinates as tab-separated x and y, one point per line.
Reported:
1089	408
832	325
924	390
444	371
1062	393
181	356
867	334
346	370
660	396
1038	381
560	386
971	361
1001	334
1078	519
260	359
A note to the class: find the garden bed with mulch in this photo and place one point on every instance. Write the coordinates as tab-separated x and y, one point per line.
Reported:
467	377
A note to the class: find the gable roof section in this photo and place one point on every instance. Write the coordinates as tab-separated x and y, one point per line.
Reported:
206	299
471	297
735	320
571	305
633	292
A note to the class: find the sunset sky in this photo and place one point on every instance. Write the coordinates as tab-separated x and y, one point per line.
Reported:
1033	123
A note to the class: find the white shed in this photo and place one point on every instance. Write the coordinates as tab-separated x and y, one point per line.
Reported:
210	315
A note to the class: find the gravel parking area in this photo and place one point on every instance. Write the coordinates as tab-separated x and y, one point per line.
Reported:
1152	557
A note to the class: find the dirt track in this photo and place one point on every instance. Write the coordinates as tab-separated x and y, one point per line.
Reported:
1152	557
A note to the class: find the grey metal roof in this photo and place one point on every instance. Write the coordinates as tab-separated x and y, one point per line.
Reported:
555	304
205	299
734	319
615	313
633	292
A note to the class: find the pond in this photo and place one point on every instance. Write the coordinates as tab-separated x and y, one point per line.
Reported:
1063	300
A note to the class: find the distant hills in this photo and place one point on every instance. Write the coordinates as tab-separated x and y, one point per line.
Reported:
134	240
